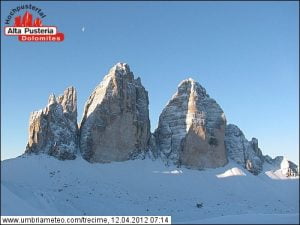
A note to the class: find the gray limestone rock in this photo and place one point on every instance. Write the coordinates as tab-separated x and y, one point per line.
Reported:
54	130
268	159
191	129
243	151
153	147
293	169
115	124
68	101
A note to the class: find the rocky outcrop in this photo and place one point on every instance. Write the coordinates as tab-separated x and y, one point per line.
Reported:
115	124
287	168
191	129
68	101
54	130
247	153
293	169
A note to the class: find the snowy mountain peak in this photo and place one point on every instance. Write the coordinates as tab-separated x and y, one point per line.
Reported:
120	69
188	80
191	87
52	99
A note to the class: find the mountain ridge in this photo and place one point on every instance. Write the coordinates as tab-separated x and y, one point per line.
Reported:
115	126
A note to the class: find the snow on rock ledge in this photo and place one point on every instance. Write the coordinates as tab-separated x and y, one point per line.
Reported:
54	130
115	124
191	129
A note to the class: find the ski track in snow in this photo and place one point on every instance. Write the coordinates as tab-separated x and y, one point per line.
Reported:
42	185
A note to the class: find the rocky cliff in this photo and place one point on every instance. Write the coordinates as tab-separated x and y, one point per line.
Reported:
248	154
54	130
115	124
243	151
191	129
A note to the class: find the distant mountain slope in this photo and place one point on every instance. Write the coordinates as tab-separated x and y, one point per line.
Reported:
43	185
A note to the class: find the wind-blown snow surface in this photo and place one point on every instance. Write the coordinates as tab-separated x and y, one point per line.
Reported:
43	185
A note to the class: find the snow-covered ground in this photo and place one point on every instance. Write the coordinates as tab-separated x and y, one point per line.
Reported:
42	185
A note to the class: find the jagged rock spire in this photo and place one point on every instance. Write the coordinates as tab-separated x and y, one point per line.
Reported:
54	130
115	124
68	101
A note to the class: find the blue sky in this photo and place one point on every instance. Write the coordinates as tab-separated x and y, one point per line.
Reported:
246	55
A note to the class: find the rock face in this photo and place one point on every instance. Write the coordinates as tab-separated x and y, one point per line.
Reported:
115	124
54	130
243	151
293	169
191	129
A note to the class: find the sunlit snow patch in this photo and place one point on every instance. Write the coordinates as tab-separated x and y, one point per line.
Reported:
231	172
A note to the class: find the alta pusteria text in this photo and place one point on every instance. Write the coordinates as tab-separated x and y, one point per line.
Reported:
30	30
